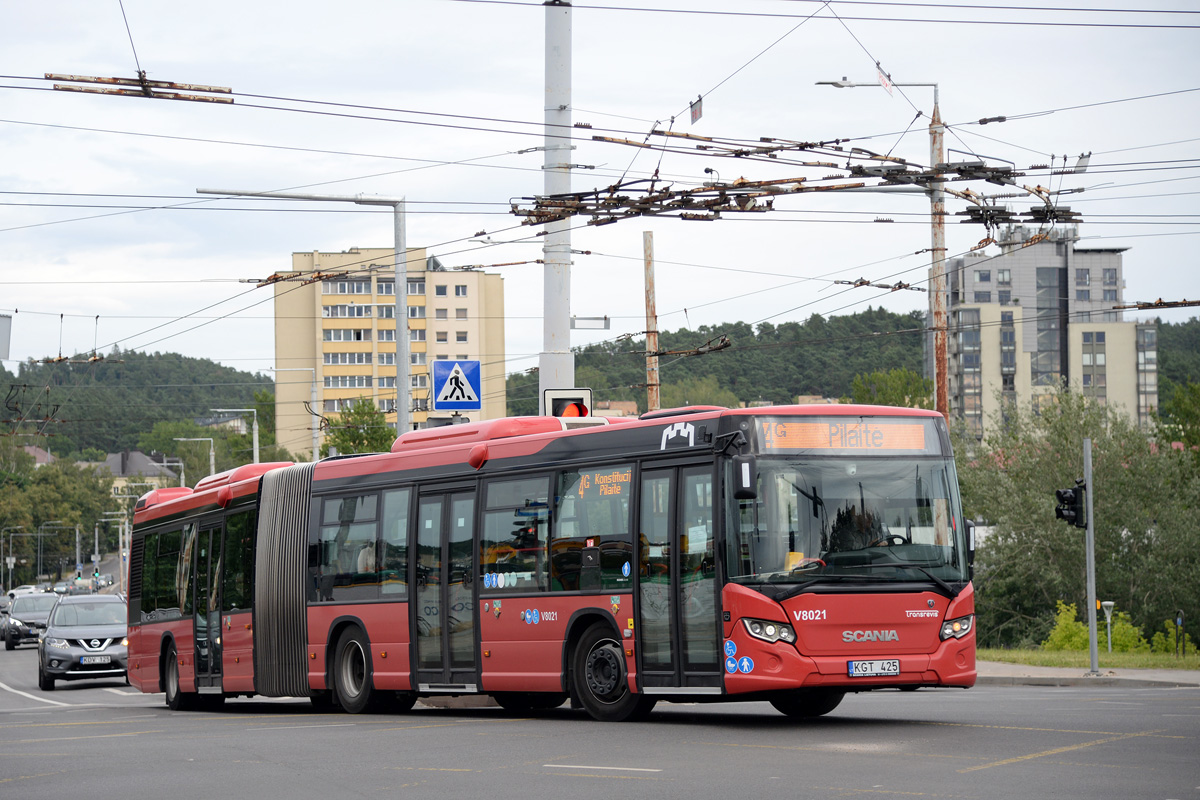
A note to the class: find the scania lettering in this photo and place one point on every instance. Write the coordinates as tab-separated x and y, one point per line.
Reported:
693	555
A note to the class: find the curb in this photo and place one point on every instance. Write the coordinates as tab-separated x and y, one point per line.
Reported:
1081	680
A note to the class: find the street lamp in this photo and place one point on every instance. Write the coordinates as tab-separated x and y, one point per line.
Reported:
212	451
253	411
400	261
1107	605
312	401
937	220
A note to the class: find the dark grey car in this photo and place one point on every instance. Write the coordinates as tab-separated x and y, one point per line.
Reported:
27	618
86	638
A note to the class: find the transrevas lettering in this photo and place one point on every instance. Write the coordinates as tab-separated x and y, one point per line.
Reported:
870	636
676	431
921	613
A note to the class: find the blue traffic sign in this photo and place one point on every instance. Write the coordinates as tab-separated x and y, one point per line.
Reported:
456	386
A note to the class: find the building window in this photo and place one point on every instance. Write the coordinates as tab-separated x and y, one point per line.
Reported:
1004	276
387	359
416	287
1110	277
347	381
416	359
1099	337
346	334
337	312
345	287
385	287
1087	338
416	312
460	336
419	381
983	297
441	336
1006	318
1083	277
1004	296
1110	295
416	335
338	359
387	382
460	290
387	335
439	313
385	312
1083	295
442	357
439	291
460	313
983	276
462	356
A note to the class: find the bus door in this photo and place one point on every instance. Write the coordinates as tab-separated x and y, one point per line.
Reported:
443	609
679	641
208	607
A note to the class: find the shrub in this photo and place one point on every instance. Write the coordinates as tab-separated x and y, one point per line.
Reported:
1163	640
1068	632
1126	637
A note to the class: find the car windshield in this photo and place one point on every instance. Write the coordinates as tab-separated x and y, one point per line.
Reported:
68	614
848	520
33	602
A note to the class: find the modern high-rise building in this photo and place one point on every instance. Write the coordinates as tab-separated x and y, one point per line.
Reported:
335	337
1041	316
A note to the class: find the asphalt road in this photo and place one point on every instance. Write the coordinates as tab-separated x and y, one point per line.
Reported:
101	739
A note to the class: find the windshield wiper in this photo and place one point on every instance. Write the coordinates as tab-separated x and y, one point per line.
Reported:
947	588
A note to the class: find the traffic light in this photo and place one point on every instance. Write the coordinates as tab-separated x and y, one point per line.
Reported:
1072	505
96	571
568	402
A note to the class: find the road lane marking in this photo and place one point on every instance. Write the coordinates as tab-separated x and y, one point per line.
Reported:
8	688
122	692
585	766
302	727
78	738
1058	750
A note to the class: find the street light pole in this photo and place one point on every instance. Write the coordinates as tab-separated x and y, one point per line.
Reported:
11	559
253	411
937	222
400	262
312	405
212	451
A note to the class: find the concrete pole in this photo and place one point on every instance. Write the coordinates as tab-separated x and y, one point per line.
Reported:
78	552
556	363
402	346
653	401
937	213
255	434
1090	546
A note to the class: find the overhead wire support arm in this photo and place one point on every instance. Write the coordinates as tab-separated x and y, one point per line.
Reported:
144	88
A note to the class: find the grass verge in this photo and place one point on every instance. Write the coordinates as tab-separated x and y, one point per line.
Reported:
1081	659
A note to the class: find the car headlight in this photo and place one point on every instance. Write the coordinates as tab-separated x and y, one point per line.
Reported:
61	644
15	621
770	631
125	642
958	628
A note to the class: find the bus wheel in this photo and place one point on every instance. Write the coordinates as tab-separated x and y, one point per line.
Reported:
600	680
176	699
352	672
808	702
529	702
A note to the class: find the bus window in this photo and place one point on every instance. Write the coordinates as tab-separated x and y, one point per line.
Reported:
591	509
346	554
514	541
237	592
394	544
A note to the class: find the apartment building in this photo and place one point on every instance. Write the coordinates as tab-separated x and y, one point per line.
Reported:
335	337
1039	316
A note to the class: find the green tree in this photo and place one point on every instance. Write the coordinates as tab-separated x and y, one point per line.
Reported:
1144	498
699	391
895	387
359	429
1179	414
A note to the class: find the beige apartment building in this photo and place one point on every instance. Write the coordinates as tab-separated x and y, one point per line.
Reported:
335	337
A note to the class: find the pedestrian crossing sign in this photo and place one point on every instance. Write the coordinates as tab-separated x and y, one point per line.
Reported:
456	386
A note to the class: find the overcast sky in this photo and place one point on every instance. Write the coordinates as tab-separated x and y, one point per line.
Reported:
436	99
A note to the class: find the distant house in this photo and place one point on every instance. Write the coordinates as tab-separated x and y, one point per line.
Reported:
133	469
233	422
40	457
614	408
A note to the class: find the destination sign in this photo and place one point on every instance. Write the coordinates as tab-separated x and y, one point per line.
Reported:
849	435
605	482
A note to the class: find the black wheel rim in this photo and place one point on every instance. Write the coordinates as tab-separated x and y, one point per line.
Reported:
603	671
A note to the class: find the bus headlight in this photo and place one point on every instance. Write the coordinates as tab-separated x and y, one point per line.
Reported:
958	628
770	631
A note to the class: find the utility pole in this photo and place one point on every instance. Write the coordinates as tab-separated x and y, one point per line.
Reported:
556	363
1090	546
653	401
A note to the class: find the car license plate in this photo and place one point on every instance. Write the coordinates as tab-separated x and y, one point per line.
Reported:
864	669
95	659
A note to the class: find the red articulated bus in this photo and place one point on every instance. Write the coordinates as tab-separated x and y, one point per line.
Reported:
789	554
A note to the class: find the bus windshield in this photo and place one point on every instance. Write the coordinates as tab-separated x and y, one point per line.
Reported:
848	520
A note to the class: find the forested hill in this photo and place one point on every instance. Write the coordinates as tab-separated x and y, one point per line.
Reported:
768	362
109	404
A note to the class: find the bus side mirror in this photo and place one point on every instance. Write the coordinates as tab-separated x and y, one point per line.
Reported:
970	543
745	477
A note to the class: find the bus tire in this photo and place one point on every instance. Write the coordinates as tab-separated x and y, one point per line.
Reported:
529	702
177	700
808	702
352	673
600	680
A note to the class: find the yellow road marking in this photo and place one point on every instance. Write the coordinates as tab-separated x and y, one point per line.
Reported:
77	738
1058	750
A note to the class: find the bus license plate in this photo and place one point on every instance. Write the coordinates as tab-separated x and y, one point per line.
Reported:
864	669
95	659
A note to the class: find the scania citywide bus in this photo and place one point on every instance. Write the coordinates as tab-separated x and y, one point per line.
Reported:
787	554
